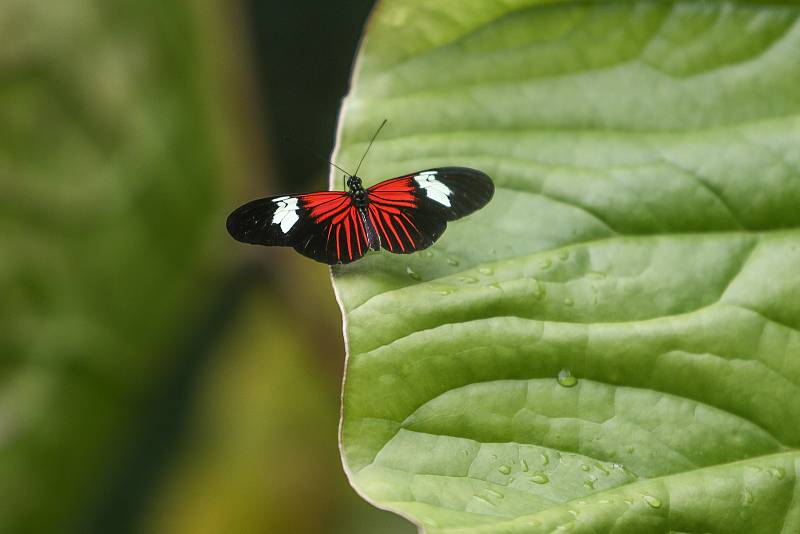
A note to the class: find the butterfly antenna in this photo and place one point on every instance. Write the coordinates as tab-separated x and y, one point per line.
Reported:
370	145
313	153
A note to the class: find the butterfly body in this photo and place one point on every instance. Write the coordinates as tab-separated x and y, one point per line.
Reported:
361	200
402	215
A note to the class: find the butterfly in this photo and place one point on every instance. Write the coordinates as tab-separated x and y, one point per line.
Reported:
401	215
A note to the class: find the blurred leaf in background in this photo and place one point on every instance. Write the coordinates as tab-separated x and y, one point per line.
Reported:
262	447
151	382
613	343
110	188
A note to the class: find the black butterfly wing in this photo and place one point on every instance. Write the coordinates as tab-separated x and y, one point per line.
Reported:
324	226
412	211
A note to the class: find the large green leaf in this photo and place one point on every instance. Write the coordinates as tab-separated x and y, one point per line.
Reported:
613	344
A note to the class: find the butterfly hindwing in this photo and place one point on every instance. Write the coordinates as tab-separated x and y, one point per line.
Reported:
339	234
324	226
412	211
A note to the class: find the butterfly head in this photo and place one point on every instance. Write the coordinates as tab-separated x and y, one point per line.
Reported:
354	183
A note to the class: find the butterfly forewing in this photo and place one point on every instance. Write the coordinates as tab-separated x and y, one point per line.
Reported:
324	226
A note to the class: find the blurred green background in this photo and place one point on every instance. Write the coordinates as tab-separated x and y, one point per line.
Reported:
157	376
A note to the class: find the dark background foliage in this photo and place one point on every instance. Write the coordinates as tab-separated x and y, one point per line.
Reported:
157	376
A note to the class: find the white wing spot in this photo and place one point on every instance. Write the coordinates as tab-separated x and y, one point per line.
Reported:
286	214
435	189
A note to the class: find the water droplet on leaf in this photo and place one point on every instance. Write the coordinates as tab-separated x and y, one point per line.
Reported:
566	379
452	261
412	273
540	478
524	465
540	291
651	501
486	270
504	469
777	472
484	500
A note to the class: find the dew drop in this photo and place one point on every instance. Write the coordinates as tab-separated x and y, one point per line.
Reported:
588	484
602	469
412	273
452	261
484	500
467	279
524	465
486	270
495	285
630	449
585	467
747	497
540	478
545	459
539	292
566	379
651	501
569	302
493	457
495	494
427	254
504	469
629	502
777	472
444	292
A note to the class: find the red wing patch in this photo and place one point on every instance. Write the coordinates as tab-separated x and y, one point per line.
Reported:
397	192
389	204
335	218
402	223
